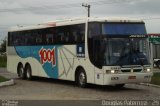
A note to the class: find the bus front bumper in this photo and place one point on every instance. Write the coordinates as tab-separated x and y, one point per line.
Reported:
113	79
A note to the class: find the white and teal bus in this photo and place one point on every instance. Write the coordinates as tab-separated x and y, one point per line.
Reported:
102	51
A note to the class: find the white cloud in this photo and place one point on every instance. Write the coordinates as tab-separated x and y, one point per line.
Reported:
24	11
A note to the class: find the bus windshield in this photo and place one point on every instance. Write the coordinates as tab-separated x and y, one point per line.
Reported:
122	51
118	44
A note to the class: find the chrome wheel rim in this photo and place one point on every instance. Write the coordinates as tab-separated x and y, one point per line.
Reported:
82	78
28	74
21	72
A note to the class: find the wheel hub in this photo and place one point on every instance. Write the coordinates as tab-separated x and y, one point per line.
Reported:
28	74
82	78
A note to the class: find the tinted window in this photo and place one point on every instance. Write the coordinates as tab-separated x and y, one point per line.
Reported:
94	29
123	29
70	34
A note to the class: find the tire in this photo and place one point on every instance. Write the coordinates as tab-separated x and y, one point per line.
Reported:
20	71
28	72
81	78
119	86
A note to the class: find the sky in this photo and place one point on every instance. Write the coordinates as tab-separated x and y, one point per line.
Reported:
30	12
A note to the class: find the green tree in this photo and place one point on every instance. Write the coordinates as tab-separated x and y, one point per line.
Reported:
3	46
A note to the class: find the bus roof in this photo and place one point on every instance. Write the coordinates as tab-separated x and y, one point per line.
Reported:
63	22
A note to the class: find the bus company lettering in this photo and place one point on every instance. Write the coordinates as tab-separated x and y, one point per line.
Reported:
47	55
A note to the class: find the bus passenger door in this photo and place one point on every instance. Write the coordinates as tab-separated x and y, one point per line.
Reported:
98	60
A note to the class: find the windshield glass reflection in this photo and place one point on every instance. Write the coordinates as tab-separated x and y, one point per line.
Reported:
120	51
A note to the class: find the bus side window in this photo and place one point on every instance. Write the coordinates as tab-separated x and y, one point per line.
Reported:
75	36
94	29
38	39
60	35
38	36
21	39
69	35
11	38
15	42
28	38
80	33
32	35
17	39
53	31
50	36
82	37
62	38
72	34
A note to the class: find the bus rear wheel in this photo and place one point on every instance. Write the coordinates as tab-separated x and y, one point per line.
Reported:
81	78
28	72
20	71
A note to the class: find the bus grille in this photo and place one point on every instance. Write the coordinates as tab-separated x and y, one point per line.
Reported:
134	70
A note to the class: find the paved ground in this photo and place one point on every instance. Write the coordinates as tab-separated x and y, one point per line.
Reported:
48	89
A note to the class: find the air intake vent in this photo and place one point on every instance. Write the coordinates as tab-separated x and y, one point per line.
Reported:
134	70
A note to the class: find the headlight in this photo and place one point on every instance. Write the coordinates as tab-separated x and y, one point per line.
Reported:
112	71
148	70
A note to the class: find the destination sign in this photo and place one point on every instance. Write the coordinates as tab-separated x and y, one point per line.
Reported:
137	36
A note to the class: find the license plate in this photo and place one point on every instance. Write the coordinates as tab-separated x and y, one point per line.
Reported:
132	77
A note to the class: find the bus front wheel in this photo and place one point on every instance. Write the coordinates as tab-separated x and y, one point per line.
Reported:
81	78
28	72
